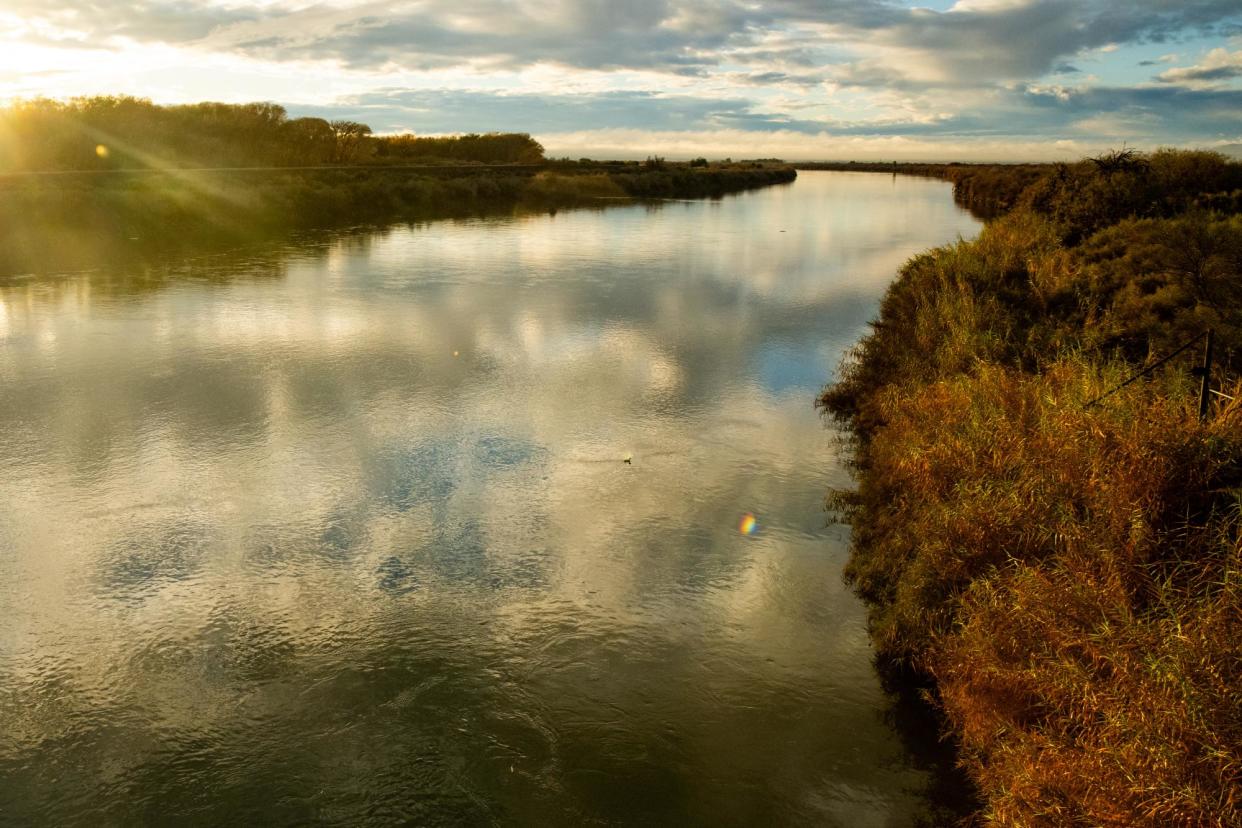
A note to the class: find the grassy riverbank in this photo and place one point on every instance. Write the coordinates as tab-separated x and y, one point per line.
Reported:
87	176
1067	576
74	218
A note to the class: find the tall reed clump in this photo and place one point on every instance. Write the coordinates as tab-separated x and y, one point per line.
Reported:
1068	575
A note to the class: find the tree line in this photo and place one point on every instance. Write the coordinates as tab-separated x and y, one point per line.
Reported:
122	132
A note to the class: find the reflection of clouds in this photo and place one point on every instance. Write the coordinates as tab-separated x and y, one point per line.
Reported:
285	503
602	369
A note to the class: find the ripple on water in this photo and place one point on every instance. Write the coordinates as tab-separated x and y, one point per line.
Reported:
343	533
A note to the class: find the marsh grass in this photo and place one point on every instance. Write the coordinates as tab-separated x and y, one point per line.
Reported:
79	217
1067	575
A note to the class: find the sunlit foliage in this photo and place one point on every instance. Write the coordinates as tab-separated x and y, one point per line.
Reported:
97	174
120	132
1069	575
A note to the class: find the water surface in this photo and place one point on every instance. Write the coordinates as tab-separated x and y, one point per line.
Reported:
341	530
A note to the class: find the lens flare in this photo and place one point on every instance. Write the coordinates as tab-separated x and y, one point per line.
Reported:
101	150
748	525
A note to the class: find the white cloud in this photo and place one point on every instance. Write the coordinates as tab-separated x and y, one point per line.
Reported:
803	66
798	146
1219	66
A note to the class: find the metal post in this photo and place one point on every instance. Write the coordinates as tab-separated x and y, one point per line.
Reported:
1205	389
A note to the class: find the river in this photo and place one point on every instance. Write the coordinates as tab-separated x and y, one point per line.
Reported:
451	524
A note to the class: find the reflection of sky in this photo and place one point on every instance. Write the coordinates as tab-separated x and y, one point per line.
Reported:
782	367
370	497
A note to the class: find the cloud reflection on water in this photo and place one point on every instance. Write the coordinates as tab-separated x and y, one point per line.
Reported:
298	545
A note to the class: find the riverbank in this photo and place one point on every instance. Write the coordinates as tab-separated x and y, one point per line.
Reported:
986	190
1065	573
89	175
69	211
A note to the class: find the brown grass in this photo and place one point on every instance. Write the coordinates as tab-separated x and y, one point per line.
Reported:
1069	576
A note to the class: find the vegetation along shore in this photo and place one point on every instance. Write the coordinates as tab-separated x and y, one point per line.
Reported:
1065	571
987	190
118	170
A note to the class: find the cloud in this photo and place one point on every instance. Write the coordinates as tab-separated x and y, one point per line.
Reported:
1219	65
446	110
972	42
1010	124
155	21
800	146
1153	114
874	69
1026	39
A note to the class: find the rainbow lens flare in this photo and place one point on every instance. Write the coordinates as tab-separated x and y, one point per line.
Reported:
748	525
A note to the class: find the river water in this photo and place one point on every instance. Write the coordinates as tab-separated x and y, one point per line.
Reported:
341	530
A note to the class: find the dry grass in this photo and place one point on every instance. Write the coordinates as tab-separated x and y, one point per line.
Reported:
569	188
1070	576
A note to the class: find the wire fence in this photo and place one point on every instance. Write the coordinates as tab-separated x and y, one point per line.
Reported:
1204	372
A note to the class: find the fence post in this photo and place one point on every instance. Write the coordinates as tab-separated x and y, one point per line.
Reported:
1205	388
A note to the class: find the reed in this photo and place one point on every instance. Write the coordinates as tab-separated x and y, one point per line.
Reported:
1068	576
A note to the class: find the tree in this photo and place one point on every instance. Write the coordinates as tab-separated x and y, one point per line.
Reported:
351	138
492	148
309	141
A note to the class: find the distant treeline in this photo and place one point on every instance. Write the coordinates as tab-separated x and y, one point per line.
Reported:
703	181
1057	551
493	148
118	132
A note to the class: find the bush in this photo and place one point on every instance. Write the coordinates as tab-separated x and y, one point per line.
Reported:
550	186
1084	198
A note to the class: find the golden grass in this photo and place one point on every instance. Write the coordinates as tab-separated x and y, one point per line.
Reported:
1071	579
1070	576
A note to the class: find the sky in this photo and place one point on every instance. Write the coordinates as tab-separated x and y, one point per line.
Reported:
795	79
